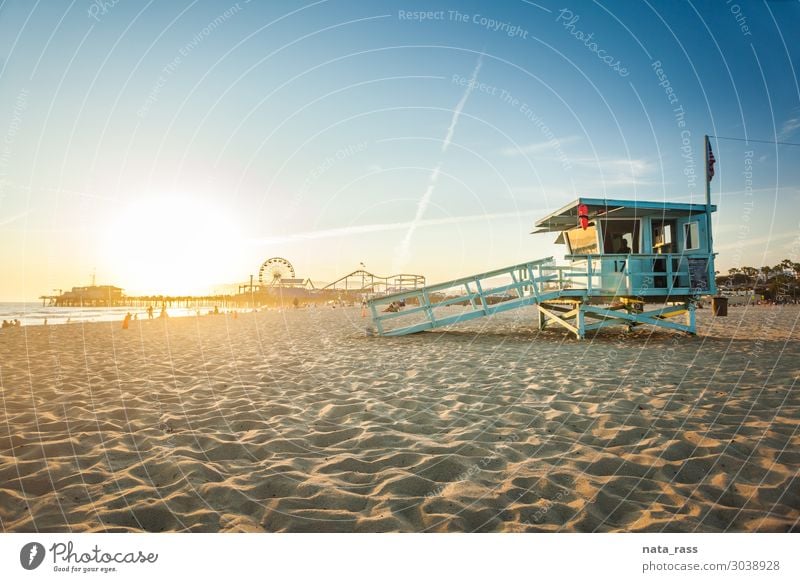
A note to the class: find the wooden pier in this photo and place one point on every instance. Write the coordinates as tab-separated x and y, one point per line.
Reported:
249	297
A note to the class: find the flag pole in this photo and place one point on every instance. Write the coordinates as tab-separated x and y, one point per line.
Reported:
706	145
709	237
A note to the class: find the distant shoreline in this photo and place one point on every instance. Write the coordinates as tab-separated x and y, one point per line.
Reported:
33	314
40	316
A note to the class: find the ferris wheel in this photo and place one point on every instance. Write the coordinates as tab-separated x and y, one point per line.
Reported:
274	270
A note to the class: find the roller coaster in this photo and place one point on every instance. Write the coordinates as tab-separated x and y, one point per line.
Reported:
278	273
362	281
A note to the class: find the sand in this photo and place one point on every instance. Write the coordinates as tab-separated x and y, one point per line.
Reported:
296	421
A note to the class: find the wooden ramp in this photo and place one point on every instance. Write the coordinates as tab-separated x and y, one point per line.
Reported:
560	293
467	298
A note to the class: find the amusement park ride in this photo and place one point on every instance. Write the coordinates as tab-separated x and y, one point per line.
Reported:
365	282
278	273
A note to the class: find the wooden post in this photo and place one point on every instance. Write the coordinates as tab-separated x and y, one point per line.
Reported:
480	293
589	275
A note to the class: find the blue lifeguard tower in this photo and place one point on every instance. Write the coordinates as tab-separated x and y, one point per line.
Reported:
627	263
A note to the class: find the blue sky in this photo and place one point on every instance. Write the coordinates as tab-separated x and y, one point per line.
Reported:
175	146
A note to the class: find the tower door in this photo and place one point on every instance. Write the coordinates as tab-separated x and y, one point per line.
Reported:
664	238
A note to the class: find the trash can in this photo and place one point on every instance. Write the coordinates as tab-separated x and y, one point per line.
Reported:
720	306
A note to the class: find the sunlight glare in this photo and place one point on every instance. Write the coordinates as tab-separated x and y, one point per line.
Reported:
172	245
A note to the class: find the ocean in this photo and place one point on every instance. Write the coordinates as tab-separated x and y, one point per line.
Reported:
32	313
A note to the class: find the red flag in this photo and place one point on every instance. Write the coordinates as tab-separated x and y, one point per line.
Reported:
711	160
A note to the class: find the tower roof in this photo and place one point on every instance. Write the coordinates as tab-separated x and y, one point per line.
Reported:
567	217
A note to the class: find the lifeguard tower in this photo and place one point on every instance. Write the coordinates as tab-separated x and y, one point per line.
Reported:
627	263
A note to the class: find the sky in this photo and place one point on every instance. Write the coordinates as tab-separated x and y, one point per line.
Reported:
174	147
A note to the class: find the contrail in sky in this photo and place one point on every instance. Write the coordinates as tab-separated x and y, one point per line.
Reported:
383	227
10	219
402	250
460	107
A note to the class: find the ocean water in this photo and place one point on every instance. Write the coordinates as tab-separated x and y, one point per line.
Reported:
33	313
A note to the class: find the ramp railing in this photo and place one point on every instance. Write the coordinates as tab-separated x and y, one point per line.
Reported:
467	298
643	274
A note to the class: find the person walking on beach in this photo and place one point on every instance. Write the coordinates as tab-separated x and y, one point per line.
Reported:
149	312
163	314
126	321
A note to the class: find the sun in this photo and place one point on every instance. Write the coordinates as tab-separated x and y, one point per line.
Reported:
171	245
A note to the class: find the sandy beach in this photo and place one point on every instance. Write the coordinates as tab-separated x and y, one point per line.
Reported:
296	421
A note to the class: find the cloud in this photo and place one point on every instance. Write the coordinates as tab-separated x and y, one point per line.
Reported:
757	243
789	127
613	171
539	147
617	171
636	167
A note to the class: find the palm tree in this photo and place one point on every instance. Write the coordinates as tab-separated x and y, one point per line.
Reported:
732	271
750	271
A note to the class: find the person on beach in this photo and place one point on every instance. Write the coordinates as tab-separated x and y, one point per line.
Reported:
394	307
163	314
5	324
126	321
149	312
